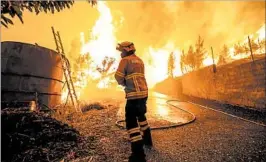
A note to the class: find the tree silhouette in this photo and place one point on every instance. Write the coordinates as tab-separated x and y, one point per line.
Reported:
255	46
80	62
199	53
191	59
224	55
239	49
106	70
246	48
183	62
106	65
16	8
262	45
171	65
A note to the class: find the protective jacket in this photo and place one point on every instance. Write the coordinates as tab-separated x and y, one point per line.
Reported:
130	73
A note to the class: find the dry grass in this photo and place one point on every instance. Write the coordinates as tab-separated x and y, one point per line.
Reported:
34	136
98	120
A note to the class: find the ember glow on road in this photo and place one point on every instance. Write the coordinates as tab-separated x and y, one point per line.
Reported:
158	111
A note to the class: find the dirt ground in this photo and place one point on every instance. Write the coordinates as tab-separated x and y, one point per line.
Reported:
92	136
98	121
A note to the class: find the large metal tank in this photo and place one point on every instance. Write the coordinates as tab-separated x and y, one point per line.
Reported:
27	69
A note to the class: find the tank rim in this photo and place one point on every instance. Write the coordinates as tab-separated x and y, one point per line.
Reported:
17	42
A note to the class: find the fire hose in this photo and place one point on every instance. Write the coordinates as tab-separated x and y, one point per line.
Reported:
119	125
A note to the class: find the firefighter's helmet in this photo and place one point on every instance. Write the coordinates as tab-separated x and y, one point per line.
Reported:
126	46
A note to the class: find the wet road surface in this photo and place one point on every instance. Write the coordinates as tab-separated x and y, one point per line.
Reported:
159	113
212	137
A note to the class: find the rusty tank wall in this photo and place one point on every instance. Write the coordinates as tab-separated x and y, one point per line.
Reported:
26	69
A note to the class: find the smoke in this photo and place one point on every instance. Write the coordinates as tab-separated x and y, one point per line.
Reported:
154	23
74	52
159	23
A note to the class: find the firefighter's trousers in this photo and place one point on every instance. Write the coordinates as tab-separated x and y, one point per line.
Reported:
138	127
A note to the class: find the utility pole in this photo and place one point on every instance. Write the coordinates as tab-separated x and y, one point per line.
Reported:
250	47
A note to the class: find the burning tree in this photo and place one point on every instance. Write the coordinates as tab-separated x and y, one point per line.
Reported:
183	62
224	55
199	53
187	61
106	65
191	59
239	49
78	62
81	65
15	8
105	68
245	49
171	65
255	46
262	45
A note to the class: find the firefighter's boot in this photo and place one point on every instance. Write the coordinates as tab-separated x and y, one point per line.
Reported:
138	154
147	139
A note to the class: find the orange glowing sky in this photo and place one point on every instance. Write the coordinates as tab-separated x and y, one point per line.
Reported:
146	23
37	29
156	28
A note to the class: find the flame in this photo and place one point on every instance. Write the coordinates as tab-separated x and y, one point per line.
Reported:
156	63
208	61
258	36
102	44
261	32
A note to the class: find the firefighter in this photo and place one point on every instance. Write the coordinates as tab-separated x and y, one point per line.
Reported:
130	74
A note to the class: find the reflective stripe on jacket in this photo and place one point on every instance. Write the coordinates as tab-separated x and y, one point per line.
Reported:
130	73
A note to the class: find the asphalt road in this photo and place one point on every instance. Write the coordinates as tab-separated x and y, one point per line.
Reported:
159	113
213	136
